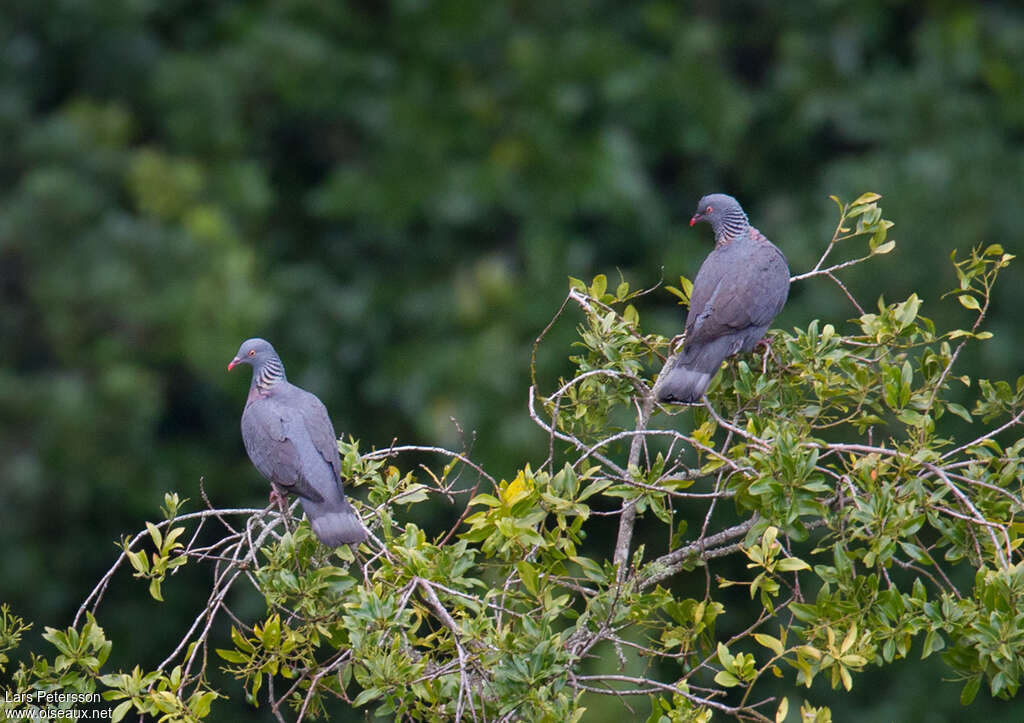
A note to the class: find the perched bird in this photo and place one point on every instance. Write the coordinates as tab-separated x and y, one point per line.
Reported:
291	441
741	286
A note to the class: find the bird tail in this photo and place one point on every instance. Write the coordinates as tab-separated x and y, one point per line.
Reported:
335	525
681	385
691	371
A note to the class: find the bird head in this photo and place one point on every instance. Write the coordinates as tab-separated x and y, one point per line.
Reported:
720	211
254	352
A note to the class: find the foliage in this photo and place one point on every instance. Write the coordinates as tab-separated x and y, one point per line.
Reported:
393	192
828	465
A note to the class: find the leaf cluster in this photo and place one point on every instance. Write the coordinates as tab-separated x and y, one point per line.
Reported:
871	490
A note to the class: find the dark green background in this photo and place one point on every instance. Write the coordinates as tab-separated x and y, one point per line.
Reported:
394	193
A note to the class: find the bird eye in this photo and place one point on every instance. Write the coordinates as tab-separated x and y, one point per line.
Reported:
708	209
252	352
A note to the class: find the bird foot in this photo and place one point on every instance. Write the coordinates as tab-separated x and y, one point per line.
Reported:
280	499
766	345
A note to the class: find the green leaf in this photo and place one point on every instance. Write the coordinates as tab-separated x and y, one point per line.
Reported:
933	642
792	564
139	561
232	656
772	643
485	499
121	711
200	702
959	411
270	633
154	532
591	569
169	540
868	197
970	690
366	696
726	679
593	488
725	656
782	711
906	379
804	612
883	248
416	493
968	302
240	642
682	296
528	574
915	552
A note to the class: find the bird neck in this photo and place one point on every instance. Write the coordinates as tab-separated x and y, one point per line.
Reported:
270	373
730	226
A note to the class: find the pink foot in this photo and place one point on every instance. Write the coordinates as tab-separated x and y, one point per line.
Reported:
276	497
766	345
280	499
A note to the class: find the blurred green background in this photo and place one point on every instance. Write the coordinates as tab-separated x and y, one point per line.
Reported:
394	193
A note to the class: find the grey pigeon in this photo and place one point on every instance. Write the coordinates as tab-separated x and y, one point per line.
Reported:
291	441
741	286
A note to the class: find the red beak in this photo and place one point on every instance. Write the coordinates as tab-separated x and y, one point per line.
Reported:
696	218
233	363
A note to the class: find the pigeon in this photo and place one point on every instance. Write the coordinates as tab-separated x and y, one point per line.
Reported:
291	441
741	286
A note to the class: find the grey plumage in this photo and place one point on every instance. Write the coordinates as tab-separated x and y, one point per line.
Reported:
290	440
740	288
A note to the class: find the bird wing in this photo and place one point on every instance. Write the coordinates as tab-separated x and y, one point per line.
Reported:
772	279
736	289
321	431
275	435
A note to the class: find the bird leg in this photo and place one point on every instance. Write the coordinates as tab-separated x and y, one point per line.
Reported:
279	498
766	344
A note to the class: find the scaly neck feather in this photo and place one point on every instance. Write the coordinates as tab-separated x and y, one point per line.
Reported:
270	373
731	225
